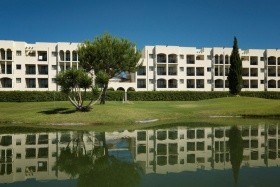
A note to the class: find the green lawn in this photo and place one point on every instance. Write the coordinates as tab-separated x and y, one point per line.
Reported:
116	115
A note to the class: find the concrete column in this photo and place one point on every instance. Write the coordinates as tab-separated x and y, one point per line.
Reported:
125	96
5	68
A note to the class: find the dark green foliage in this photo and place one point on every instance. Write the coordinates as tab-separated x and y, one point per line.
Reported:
235	151
108	56
38	96
235	70
174	96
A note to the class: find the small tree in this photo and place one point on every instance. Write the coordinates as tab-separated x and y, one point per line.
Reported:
73	82
108	54
235	70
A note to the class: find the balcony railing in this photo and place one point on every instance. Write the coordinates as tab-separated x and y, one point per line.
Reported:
172	73
30	72
161	73
161	86
43	72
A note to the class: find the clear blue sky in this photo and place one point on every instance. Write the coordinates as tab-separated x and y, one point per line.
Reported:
197	23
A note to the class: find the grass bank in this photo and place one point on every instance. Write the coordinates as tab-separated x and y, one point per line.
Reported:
116	115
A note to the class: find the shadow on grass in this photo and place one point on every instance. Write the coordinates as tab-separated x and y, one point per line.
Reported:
58	111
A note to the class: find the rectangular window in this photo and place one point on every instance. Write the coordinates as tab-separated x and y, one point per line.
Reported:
18	80
18	53
42	56
18	66
209	69
262	81
261	58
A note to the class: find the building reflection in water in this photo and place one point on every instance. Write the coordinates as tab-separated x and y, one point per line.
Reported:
178	149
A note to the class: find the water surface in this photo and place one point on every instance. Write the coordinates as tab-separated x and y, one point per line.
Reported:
177	156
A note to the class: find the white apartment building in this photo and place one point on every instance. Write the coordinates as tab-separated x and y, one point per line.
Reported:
32	67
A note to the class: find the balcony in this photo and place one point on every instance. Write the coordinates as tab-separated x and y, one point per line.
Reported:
9	54
141	71
199	71
199	83
30	83
6	83
30	72
271	60
190	72
172	83
161	83
245	72
172	58
190	59
43	83
74	56
161	58
42	56
190	83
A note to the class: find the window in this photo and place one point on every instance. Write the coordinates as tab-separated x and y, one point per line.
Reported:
262	81
141	71
141	83
18	156
18	80
209	69
18	66
261	58
151	56
18	53
42	55
30	153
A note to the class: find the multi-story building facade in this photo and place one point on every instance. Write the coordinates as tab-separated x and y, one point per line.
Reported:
26	66
26	156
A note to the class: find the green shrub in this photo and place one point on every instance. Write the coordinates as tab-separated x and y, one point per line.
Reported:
36	96
174	95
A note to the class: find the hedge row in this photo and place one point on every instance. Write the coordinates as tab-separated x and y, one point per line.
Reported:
266	95
35	96
174	95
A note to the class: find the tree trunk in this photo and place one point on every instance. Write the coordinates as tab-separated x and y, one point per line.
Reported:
104	93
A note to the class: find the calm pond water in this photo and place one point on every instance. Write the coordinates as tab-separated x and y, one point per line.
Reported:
178	156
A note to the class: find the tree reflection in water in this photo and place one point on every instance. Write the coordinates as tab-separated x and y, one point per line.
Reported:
235	151
96	167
